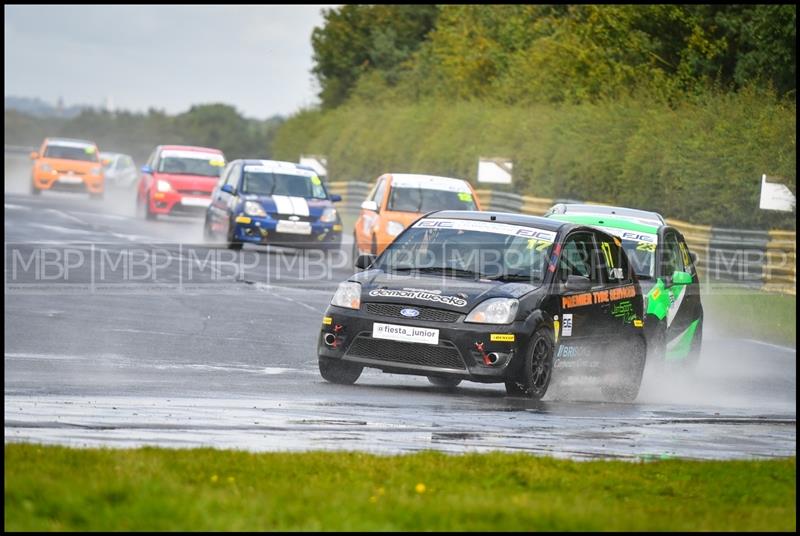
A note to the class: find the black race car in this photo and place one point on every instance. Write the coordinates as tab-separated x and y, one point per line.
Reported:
490	297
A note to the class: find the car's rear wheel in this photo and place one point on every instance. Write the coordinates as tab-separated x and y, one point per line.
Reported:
338	371
442	381
633	362
537	371
34	189
99	195
374	245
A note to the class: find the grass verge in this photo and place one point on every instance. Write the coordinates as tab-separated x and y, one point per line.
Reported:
60	488
753	314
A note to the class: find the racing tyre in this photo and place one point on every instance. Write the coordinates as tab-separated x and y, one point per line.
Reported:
374	245
97	196
35	190
628	389
535	377
355	251
338	371
442	381
232	243
143	209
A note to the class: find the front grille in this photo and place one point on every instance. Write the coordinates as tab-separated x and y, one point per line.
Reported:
67	187
425	313
276	216
203	193
445	355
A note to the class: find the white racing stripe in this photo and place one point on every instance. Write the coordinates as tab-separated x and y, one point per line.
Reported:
283	204
299	206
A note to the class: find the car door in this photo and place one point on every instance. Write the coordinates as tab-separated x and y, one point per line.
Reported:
684	306
578	277
369	218
620	299
227	200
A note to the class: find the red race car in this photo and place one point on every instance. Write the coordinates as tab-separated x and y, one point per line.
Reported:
178	179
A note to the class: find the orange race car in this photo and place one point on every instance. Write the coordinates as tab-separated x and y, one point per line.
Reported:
398	199
69	165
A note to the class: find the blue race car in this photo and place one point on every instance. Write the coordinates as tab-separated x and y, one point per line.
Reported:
271	202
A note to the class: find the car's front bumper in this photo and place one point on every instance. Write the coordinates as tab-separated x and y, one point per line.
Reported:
77	182
177	203
460	353
265	231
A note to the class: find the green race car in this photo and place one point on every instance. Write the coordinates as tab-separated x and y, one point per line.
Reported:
666	272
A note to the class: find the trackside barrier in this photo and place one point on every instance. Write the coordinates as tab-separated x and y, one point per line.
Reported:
763	259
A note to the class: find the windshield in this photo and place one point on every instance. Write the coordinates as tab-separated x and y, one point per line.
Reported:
427	199
69	152
180	165
264	183
471	249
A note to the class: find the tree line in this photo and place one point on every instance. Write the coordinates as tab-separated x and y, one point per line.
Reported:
674	108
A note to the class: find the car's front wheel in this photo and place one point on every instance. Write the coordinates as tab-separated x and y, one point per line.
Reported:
143	208
338	371
537	371
34	189
232	242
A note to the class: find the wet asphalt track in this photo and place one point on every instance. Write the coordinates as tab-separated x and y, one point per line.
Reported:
209	348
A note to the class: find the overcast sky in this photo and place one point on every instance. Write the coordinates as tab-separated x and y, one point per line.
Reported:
256	58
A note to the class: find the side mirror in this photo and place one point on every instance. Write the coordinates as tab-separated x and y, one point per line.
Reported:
147	170
681	278
34	155
365	260
228	189
578	283
370	205
336	198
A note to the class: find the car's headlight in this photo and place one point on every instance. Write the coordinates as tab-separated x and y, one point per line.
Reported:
347	295
328	215
253	208
163	186
394	228
494	311
45	167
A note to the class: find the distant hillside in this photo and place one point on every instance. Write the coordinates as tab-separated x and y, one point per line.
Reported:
39	108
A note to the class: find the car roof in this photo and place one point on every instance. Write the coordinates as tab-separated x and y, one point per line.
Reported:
74	142
189	148
610	224
418	180
539	222
640	216
272	166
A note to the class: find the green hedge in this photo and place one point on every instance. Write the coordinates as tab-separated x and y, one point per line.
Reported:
698	161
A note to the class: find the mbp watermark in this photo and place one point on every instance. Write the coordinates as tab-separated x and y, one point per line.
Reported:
163	267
